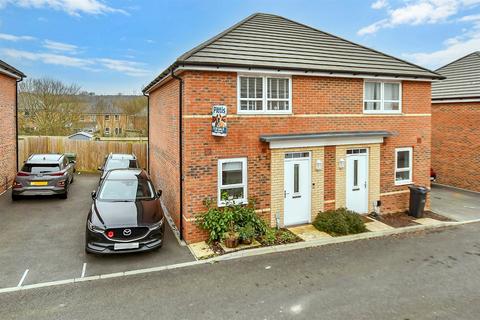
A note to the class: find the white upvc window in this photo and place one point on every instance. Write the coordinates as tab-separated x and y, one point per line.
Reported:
403	166
261	94
232	181
382	97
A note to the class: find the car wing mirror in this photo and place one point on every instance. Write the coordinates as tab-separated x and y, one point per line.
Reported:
73	161
159	193
94	194
100	168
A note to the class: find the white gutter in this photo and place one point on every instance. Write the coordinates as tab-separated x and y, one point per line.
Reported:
10	74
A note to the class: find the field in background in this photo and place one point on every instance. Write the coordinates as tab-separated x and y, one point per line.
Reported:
90	154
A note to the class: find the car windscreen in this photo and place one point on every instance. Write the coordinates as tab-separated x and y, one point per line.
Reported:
126	190
120	164
40	167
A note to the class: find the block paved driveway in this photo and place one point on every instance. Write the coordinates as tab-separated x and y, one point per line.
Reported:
47	237
454	203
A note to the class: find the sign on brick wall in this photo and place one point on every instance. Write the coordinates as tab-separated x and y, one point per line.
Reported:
219	121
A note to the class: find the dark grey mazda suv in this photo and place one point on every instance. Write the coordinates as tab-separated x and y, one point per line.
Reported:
126	215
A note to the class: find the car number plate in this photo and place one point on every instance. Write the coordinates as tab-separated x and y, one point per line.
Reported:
125	246
39	183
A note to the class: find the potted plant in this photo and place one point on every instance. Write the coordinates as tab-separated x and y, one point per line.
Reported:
231	237
247	234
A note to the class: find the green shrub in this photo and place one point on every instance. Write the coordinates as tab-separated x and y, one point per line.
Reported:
246	215
217	221
286	236
247	232
270	236
339	222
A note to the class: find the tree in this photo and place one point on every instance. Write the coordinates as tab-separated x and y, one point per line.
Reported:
132	106
51	105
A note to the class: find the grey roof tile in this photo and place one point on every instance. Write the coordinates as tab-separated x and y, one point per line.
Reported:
273	42
463	79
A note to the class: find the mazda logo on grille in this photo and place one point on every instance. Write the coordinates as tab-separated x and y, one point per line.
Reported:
127	232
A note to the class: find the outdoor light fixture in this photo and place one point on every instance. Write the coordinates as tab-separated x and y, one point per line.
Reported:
341	163
319	165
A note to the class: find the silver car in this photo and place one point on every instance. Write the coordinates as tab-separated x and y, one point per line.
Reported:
44	174
118	161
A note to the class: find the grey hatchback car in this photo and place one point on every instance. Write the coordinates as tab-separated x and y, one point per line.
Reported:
44	174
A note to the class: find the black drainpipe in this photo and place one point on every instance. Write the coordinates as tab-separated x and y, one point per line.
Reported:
148	132
180	141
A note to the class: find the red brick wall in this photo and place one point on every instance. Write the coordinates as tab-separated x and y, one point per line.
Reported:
456	144
163	145
8	154
311	95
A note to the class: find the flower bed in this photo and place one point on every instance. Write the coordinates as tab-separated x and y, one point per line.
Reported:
239	225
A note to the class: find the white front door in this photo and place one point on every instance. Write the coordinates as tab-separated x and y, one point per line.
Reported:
297	192
357	180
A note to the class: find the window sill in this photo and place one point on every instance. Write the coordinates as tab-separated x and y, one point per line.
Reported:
397	113
246	113
403	183
222	204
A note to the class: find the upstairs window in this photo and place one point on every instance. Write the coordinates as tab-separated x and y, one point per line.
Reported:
264	94
382	97
107	117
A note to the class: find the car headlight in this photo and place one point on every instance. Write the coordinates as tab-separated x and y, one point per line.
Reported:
94	228
158	224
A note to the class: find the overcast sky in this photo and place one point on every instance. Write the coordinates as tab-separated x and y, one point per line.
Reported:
119	46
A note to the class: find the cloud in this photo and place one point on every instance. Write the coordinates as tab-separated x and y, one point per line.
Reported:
48	58
131	68
453	48
475	17
379	4
11	37
127	67
416	12
72	7
59	46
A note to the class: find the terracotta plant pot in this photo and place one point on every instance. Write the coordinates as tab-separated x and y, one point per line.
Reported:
247	241
231	242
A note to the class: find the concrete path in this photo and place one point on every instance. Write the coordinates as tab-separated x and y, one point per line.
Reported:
455	204
419	276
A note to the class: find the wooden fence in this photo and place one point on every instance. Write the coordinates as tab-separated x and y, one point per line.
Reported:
90	154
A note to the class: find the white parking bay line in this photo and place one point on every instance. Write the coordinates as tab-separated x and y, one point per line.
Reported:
84	268
23	278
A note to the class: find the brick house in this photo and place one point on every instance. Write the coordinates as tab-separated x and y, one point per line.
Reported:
455	124
314	122
105	116
9	77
